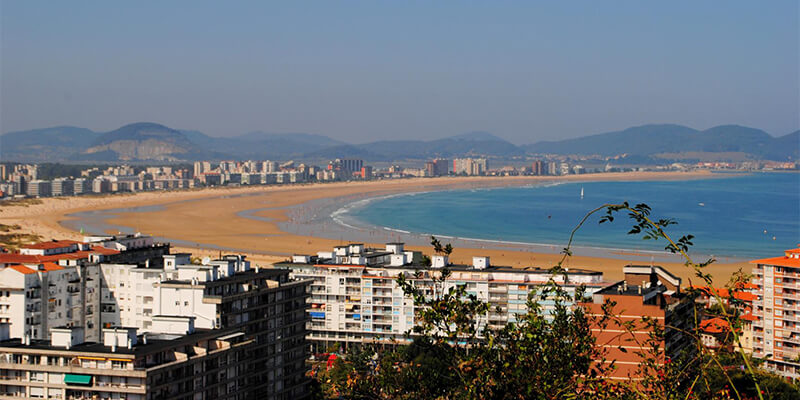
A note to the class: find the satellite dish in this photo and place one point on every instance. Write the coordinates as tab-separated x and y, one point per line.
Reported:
206	260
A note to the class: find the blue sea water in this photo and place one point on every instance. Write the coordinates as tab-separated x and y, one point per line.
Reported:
742	216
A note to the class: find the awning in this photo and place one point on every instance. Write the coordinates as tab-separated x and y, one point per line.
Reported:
75	379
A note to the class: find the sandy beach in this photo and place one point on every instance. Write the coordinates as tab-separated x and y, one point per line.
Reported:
208	221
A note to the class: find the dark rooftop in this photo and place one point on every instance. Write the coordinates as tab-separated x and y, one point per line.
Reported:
155	342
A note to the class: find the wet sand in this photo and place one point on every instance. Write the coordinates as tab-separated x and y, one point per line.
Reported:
261	220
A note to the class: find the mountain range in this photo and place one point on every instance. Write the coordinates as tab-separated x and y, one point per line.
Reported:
146	141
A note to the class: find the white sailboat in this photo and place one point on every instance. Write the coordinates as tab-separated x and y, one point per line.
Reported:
581	192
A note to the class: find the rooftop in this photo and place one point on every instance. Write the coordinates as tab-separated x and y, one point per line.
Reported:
622	288
16	258
791	259
714	325
155	342
779	261
55	244
451	267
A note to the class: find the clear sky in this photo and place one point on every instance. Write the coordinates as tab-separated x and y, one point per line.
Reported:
362	71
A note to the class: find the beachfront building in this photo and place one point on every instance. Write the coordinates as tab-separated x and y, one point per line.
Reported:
470	166
39	188
354	296
34	298
646	291
179	363
154	295
776	331
48	284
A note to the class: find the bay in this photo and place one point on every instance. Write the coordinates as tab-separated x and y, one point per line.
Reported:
739	216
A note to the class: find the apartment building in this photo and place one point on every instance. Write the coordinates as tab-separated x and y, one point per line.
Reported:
63	187
354	296
36	298
776	330
470	166
179	363
39	188
263	303
646	291
154	295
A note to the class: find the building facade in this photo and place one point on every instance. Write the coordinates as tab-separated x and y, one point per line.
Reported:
354	296
776	329
649	292
188	364
138	287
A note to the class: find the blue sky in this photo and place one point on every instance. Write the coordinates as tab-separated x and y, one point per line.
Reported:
361	71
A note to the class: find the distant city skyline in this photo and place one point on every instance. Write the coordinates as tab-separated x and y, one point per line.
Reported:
363	71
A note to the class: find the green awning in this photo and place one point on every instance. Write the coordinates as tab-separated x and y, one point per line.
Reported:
74	379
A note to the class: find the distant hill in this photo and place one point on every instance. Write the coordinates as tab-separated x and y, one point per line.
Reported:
142	141
651	140
48	144
147	141
468	144
260	145
784	147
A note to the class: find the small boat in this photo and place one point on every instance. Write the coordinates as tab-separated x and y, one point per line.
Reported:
581	191
701	204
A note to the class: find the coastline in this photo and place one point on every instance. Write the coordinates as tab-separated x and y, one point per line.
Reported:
262	221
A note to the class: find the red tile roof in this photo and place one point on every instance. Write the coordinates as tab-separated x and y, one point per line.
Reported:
714	325
725	293
744	296
779	261
56	244
16	258
22	269
51	267
749	317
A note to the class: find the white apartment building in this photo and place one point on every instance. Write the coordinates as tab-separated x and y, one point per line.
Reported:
355	297
776	330
261	308
131	295
35	298
55	284
470	166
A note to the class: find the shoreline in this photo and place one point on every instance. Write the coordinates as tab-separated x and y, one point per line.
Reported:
258	220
